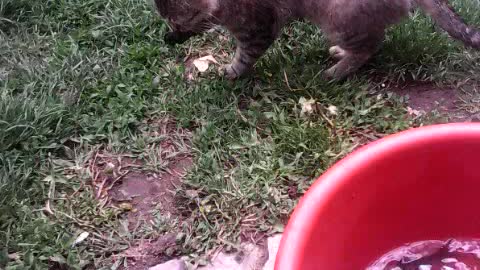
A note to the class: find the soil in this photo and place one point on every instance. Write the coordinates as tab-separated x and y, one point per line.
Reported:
148	192
146	196
151	195
426	97
150	252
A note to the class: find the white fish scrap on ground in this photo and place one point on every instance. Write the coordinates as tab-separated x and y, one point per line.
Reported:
203	63
308	106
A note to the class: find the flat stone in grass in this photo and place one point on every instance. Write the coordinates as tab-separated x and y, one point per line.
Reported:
249	257
170	265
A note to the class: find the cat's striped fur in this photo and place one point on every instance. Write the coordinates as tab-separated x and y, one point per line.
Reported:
355	28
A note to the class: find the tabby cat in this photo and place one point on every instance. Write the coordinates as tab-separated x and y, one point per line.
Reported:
356	28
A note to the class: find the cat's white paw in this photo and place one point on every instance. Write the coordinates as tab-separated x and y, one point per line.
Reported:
337	52
230	73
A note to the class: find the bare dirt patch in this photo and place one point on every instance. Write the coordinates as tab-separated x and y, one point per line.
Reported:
146	195
147	192
151	197
150	252
426	97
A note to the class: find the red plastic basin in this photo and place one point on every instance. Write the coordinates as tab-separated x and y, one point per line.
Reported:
421	184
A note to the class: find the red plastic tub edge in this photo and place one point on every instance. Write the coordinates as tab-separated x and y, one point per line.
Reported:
290	251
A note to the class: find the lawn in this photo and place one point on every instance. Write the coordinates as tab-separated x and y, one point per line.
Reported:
90	93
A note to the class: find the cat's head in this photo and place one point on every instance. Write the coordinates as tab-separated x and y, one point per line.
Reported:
187	15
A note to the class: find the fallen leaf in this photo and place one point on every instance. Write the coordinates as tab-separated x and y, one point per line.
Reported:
80	238
308	106
332	110
126	206
192	194
109	168
58	259
203	63
413	112
13	256
156	82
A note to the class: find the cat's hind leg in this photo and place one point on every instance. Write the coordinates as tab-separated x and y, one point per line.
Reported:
353	51
349	63
249	49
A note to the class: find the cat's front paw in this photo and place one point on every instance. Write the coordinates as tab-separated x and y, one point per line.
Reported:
230	73
337	52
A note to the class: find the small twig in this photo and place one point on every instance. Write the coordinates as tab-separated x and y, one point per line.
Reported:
51	190
228	243
286	80
189	53
100	188
215	253
324	116
244	119
330	122
197	201
93	162
104	202
95	177
84	224
117	179
82	185
7	20
131	256
48	209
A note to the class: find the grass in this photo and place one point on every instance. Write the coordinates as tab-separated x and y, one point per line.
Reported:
78	76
